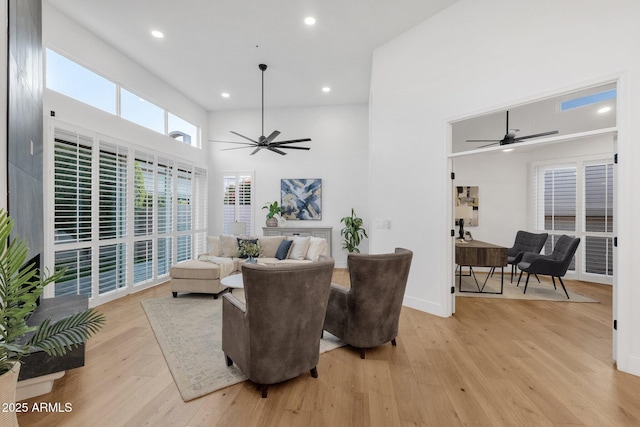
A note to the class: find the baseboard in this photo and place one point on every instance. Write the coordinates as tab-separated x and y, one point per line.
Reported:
26	389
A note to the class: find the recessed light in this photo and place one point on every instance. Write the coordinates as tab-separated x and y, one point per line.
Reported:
225	95
506	150
604	110
310	20
326	89
157	34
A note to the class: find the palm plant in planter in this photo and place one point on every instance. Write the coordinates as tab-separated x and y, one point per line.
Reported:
20	288
274	209
353	232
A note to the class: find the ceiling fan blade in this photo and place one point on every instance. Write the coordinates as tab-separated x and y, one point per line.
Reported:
242	136
275	150
482	140
237	148
292	148
292	141
233	142
520	138
255	151
489	145
271	137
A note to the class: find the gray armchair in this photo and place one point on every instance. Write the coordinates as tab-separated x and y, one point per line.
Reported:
554	265
366	315
525	242
275	335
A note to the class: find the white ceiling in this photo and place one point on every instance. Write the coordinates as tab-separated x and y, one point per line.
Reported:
215	46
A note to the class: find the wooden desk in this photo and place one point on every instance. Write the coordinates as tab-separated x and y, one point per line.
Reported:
475	253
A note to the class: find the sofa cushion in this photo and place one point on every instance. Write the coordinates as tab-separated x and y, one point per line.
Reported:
214	246
317	247
229	246
195	269
269	245
299	247
283	249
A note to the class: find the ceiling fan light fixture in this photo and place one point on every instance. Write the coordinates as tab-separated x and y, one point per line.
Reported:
265	142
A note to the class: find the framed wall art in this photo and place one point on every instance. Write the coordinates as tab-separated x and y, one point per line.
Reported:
301	199
466	199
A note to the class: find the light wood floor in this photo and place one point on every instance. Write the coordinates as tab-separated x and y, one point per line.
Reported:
495	362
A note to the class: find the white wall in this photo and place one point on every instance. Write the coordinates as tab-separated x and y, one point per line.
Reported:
481	55
338	156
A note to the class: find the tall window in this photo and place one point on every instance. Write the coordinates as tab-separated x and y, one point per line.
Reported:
598	215
121	216
112	219
238	200
577	199
72	211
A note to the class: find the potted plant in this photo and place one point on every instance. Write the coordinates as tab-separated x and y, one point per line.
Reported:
250	249
20	288
274	209
353	232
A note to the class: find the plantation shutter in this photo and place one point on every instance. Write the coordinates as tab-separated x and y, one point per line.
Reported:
184	219
200	210
598	218
112	220
238	201
143	218
164	201
72	187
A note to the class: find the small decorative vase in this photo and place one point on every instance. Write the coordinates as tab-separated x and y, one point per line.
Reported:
8	383
272	222
251	260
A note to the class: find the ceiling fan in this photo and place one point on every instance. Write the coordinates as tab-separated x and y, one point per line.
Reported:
268	141
510	136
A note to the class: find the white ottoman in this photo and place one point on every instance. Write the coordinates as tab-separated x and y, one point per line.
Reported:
196	277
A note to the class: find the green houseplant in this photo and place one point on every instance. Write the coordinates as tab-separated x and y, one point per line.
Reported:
353	232
20	288
274	209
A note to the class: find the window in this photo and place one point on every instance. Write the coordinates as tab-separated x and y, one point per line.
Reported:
598	218
72	212
121	217
75	81
237	203
577	199
140	111
588	99
112	219
181	129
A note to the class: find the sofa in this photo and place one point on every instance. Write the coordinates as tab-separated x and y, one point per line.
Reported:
202	275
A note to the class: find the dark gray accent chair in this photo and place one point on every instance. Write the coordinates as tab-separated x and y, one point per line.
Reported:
275	335
525	242
554	265
366	315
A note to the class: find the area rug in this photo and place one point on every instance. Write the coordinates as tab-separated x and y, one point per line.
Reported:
189	332
542	291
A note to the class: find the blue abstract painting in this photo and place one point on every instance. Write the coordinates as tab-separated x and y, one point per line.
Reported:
301	198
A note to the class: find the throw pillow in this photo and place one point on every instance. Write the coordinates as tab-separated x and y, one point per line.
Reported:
317	247
214	246
283	249
240	241
229	246
299	247
269	245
